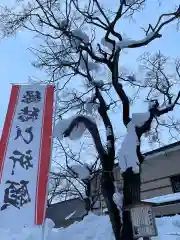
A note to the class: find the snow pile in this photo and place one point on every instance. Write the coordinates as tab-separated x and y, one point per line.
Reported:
92	227
168	228
82	171
127	155
33	233
48	226
98	228
25	234
95	228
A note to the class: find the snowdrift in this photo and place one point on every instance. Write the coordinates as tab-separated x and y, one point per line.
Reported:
93	228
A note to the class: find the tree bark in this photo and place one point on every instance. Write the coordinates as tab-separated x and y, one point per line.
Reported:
87	200
107	185
131	191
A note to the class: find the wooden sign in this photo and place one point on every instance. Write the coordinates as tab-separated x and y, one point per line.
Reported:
143	220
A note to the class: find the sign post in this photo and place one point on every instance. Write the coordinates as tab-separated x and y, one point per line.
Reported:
143	220
25	155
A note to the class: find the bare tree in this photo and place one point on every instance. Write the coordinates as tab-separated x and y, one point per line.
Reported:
70	50
72	178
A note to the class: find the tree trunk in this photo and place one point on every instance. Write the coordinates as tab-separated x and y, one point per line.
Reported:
131	192
87	202
108	191
87	199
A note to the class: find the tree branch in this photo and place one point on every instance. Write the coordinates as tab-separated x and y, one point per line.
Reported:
169	108
107	123
119	88
155	31
92	128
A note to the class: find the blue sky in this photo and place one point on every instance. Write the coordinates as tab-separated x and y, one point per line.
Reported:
15	58
15	67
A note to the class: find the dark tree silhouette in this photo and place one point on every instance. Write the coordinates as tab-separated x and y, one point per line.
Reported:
68	52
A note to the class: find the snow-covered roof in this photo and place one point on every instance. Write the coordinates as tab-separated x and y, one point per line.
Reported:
162	150
164	198
69	210
159	151
70	215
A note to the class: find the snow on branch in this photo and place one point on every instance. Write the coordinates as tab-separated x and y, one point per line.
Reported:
107	44
74	128
80	34
79	37
151	33
127	155
118	200
98	83
140	123
127	43
91	105
157	111
86	64
130	2
81	170
138	119
63	125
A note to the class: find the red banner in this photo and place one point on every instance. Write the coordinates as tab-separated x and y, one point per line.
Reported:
25	155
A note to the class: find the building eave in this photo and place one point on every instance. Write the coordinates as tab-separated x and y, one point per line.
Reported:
162	150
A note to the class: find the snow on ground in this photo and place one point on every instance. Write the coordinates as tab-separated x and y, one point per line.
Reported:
95	228
98	228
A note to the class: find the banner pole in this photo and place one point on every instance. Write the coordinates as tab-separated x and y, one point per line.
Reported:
53	125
